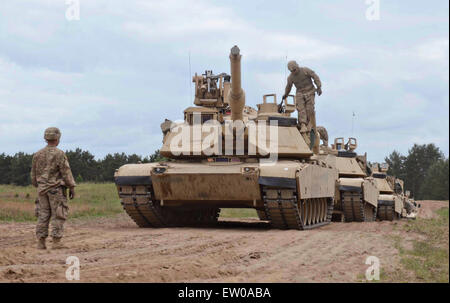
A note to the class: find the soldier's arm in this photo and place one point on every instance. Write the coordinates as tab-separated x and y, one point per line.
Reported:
314	76
33	172
288	86
66	173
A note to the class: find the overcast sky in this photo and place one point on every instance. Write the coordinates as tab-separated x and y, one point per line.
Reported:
109	79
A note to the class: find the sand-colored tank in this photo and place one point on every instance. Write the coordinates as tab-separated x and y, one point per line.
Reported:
228	155
410	206
390	201
356	194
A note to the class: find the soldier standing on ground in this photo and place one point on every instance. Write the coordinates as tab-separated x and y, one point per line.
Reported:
302	78
51	175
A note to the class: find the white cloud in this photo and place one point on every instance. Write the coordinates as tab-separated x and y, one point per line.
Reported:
209	29
435	50
130	63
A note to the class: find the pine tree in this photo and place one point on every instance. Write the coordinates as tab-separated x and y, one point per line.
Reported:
396	163
435	186
419	160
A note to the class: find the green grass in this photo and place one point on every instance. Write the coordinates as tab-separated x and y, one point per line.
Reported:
238	213
428	259
92	200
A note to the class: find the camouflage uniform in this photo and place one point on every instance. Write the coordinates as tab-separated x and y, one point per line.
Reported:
165	127
302	78
323	134
50	171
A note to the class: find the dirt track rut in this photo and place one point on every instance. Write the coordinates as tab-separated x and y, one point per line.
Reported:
115	250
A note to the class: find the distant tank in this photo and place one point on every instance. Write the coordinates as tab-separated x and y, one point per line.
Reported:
356	194
207	171
390	201
410	206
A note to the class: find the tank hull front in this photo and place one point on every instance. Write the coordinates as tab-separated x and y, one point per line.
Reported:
189	186
221	185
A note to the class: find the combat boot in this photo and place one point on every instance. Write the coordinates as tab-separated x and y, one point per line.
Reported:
41	243
57	243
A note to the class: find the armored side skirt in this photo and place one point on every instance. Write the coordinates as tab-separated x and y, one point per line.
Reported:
366	187
392	201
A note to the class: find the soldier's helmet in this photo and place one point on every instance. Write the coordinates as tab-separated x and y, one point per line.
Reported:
292	65
52	133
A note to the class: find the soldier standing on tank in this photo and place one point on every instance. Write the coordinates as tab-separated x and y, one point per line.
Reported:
302	78
323	135
52	176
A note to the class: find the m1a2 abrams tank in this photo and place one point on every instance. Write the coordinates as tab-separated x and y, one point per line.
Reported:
410	207
228	155
356	197
390	201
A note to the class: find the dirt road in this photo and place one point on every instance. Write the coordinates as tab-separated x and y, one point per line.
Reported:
115	250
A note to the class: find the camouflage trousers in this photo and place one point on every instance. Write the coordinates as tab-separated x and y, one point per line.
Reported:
323	134
52	207
305	108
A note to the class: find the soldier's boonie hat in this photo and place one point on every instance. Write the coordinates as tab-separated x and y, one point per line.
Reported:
52	133
292	64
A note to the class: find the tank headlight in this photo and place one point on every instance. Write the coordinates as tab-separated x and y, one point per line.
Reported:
159	170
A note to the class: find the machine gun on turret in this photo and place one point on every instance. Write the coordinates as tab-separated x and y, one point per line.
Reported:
211	90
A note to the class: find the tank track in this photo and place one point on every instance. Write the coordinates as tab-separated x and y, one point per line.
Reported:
387	212
284	211
262	215
338	217
139	203
355	209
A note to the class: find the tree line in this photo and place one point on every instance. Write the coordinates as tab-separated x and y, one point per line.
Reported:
424	169
85	168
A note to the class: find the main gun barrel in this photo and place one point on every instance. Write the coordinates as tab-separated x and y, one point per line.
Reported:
236	96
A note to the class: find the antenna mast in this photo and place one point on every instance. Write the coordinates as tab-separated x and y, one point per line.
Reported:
285	66
190	79
353	121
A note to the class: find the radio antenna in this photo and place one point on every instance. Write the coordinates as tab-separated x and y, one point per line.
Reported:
353	121
189	79
285	66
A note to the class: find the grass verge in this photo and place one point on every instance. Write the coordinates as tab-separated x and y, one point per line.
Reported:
238	213
428	259
92	200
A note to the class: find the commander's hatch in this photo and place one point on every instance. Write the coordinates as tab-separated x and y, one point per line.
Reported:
268	110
